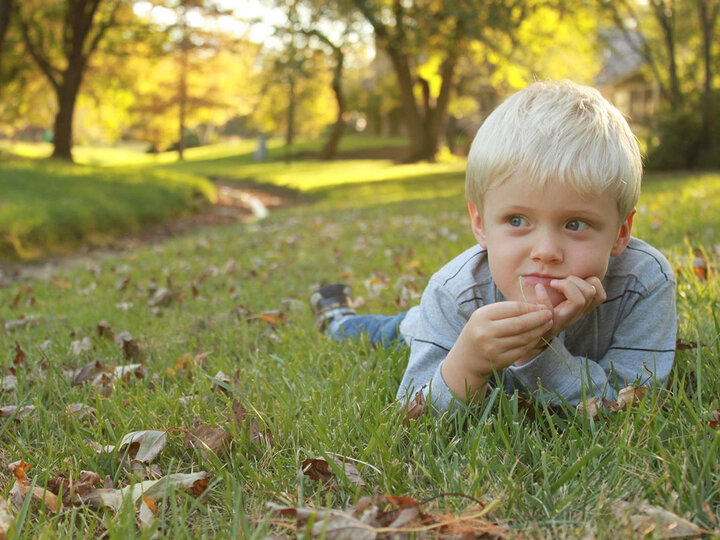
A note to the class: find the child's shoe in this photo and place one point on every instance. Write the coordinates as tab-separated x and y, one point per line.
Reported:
331	303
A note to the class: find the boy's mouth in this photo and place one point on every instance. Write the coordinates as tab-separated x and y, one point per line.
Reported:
534	279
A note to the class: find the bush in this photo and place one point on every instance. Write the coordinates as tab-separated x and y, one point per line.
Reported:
681	141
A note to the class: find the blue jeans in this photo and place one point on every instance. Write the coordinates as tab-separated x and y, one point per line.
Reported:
383	330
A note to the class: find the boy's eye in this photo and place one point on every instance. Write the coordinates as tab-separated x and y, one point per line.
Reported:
577	225
517	221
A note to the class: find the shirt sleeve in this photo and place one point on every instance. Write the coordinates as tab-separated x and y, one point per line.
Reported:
642	351
438	325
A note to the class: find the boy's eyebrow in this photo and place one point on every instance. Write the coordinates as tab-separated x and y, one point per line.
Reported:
582	212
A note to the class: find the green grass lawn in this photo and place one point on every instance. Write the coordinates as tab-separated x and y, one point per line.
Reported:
50	207
539	473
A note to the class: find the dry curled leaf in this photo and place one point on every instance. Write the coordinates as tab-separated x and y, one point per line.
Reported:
162	297
319	469
416	407
207	438
648	520
146	512
590	408
86	373
154	489
105	330
714	420
6	519
19	492
81	346
127	372
80	410
328	524
19	355
15	412
144	446
18	468
630	395
131	349
7	383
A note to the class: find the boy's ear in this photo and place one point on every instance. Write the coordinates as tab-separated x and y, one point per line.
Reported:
623	236
477	226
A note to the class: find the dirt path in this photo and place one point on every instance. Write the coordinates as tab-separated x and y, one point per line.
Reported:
238	202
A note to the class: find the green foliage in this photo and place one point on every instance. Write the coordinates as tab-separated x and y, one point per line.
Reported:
50	207
550	476
686	138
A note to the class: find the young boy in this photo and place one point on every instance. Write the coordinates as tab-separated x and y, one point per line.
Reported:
557	296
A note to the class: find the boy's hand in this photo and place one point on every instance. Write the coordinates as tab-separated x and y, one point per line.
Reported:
496	336
581	297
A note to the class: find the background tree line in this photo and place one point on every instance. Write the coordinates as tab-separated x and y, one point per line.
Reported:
174	72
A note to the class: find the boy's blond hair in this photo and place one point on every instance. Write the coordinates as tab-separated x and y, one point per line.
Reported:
557	131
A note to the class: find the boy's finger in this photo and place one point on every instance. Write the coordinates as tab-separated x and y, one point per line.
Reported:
576	290
504	310
542	296
520	325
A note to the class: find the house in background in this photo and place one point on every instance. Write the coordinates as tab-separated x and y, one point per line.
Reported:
623	82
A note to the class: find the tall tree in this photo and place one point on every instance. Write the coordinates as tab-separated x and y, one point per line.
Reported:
659	31
418	33
61	36
189	39
332	27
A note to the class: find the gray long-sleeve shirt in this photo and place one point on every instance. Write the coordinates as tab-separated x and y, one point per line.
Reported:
611	347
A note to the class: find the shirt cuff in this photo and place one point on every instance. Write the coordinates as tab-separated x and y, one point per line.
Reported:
441	397
551	368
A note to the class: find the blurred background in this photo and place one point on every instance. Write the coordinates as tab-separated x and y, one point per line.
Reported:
166	75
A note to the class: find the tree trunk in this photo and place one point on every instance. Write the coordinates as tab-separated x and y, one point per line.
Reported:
665	16
290	133
707	17
66	98
413	121
330	149
5	11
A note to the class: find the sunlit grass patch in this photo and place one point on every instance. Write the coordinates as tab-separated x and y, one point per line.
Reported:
51	207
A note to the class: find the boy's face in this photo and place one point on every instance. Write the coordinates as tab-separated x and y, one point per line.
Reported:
534	235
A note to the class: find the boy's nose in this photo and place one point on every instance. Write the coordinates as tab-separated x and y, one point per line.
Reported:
547	248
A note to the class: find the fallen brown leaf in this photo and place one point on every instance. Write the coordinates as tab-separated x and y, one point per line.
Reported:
17	413
207	438
162	297
630	395
7	383
242	422
131	349
106	330
154	489
22	322
19	492
18	468
125	373
81	346
6	519
416	407
86	372
328	524
220	381
319	469
80	410
19	355
647	520
143	446
590	408
146	512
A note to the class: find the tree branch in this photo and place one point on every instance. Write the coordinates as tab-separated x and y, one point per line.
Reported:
43	63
